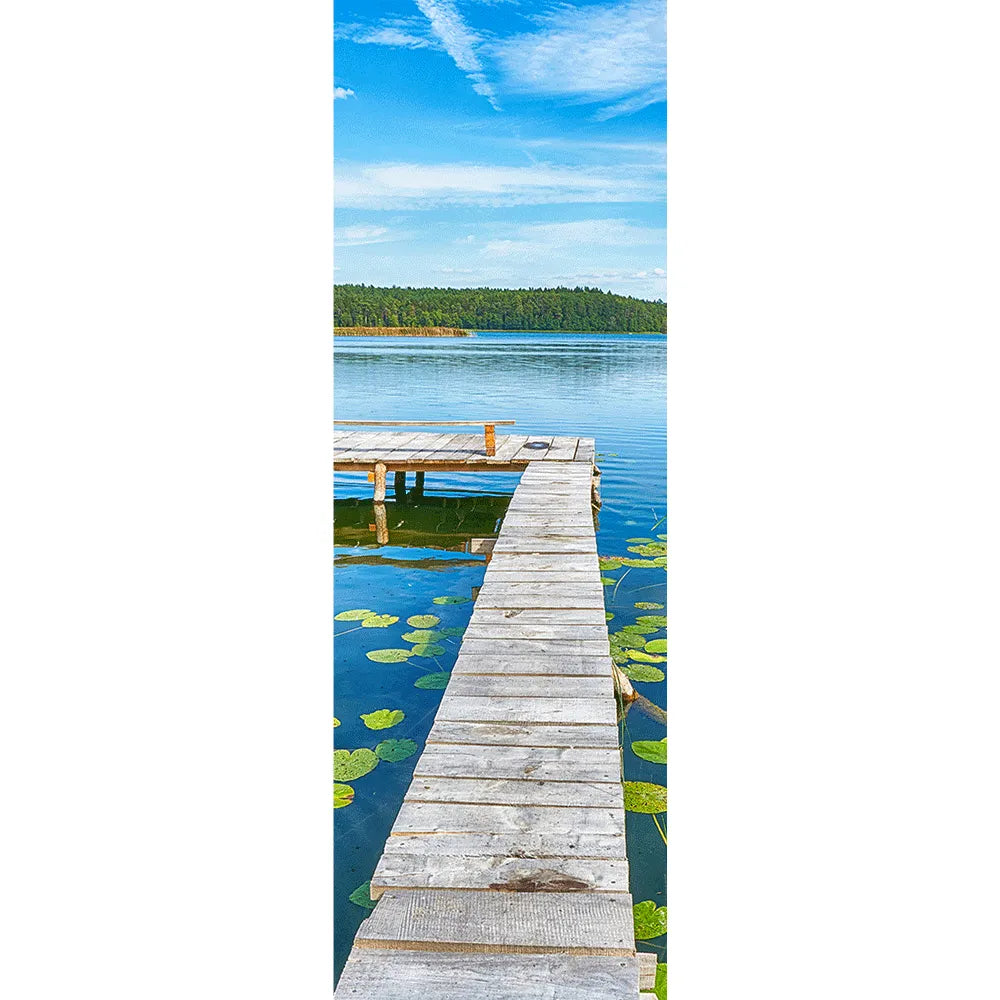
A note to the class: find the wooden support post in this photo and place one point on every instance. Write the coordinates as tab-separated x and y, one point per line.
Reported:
399	487
381	525
418	484
595	487
379	483
491	439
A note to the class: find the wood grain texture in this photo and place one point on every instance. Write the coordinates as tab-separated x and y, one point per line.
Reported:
541	665
577	711
647	970
557	763
526	922
568	844
522	734
443	975
436	817
515	791
529	686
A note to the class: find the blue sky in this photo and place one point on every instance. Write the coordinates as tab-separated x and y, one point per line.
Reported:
508	143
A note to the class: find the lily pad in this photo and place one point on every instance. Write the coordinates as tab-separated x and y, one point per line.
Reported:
643	672
618	656
662	538
379	621
350	765
609	562
428	649
660	561
608	580
639	540
343	795
656	646
655	751
336	722
608	616
648	605
362	896
393	750
353	616
627	640
650	549
657	621
437	681
452	599
650	920
640	629
643	657
422	635
645	797
384	718
660	984
389	655
641	563
452	631
423	621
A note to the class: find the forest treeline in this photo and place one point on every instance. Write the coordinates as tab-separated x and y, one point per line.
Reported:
577	309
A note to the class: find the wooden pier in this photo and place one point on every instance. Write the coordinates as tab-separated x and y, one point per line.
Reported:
505	874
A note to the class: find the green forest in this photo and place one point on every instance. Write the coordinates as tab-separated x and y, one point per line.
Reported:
566	309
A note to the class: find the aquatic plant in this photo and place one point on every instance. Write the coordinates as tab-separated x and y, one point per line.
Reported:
383	718
655	751
349	765
645	797
649	919
395	750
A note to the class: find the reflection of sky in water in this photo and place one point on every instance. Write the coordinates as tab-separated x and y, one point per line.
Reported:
611	388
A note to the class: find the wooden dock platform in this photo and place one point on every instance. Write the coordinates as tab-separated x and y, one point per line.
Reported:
505	874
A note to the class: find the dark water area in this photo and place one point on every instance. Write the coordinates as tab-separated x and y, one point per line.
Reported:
611	388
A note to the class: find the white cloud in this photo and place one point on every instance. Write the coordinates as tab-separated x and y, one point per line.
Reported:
353	236
554	239
592	53
400	33
460	42
342	92
416	186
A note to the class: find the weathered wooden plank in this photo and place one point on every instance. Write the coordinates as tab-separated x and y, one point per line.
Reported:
429	446
585	451
462	447
563	449
514	791
514	874
512	629
527	454
537	647
530	686
593	586
560	616
542	665
549	601
647	970
513	561
538	545
508	845
522	734
540	576
575	711
508	445
444	975
524	922
437	817
542	763
373	446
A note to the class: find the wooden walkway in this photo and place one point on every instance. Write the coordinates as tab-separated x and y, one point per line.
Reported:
505	875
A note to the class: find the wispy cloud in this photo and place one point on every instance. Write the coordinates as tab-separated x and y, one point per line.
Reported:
339	93
397	32
590	54
356	236
421	185
460	42
554	239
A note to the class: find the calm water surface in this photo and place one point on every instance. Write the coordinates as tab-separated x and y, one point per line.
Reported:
611	388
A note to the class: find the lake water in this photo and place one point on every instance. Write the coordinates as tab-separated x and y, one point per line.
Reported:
611	388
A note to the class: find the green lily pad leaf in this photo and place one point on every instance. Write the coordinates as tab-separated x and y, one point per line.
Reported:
660	561
353	616
641	563
640	629
350	765
362	896
650	920
608	580
393	750
643	672
422	635
437	681
655	751
656	621
608	616
639	540
384	718
609	562
660	984
452	631
336	722
618	656
656	646
648	605
645	797
423	621
343	795
428	649
643	657
379	621
627	640
650	549
662	538
451	599
388	655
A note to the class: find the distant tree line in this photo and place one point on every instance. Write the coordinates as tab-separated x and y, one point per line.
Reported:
586	309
